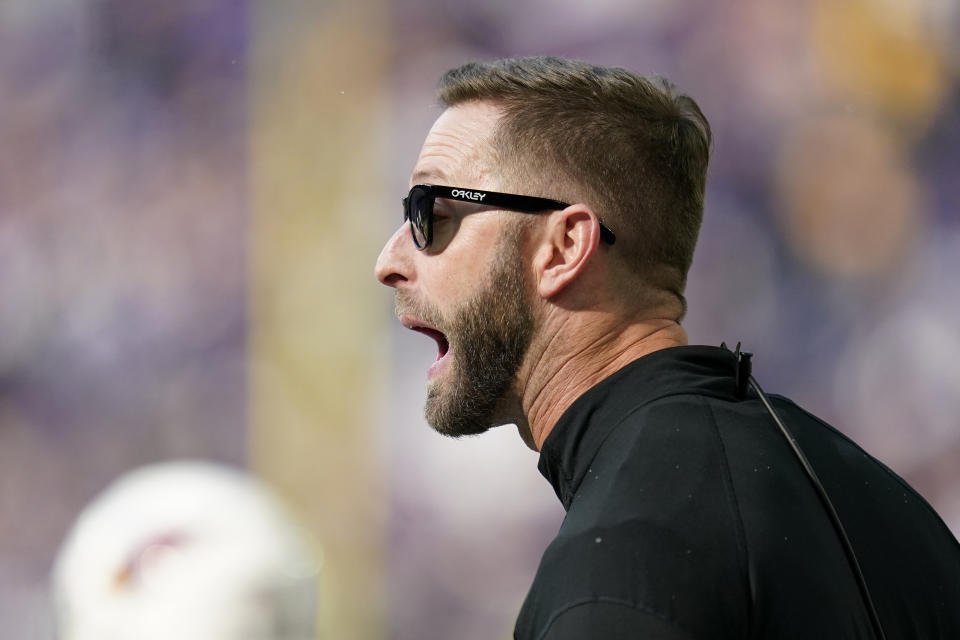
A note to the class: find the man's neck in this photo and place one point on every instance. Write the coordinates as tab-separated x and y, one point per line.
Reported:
564	369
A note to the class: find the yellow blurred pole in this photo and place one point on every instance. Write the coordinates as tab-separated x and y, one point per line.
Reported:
316	374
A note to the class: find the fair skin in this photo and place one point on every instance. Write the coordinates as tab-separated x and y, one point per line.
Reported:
585	331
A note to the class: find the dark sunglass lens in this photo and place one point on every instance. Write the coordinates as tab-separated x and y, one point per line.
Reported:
419	206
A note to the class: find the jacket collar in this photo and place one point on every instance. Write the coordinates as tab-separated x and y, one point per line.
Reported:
569	450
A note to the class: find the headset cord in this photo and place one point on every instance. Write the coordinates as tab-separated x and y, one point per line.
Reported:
831	511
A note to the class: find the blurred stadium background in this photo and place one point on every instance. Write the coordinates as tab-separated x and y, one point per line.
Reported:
193	194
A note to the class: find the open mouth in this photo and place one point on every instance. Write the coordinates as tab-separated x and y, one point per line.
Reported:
443	345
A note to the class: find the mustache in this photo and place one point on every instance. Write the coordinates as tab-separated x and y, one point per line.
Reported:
405	305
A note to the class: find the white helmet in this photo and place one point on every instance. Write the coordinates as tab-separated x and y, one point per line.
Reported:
186	550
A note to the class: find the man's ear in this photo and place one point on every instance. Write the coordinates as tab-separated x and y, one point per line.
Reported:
568	241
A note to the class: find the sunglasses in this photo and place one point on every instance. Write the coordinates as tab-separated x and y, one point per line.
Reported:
418	208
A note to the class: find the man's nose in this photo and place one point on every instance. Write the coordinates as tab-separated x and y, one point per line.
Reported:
394	263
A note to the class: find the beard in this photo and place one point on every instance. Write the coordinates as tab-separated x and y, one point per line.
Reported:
489	336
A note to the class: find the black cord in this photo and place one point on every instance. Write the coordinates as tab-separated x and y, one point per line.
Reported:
831	511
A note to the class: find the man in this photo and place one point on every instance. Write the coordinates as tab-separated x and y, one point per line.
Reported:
688	513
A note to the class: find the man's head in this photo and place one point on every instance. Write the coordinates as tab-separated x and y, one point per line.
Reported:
630	147
624	151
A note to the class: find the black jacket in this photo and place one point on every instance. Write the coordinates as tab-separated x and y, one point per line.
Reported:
689	517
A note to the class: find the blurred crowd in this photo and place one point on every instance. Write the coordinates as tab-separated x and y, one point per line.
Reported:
122	324
830	248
